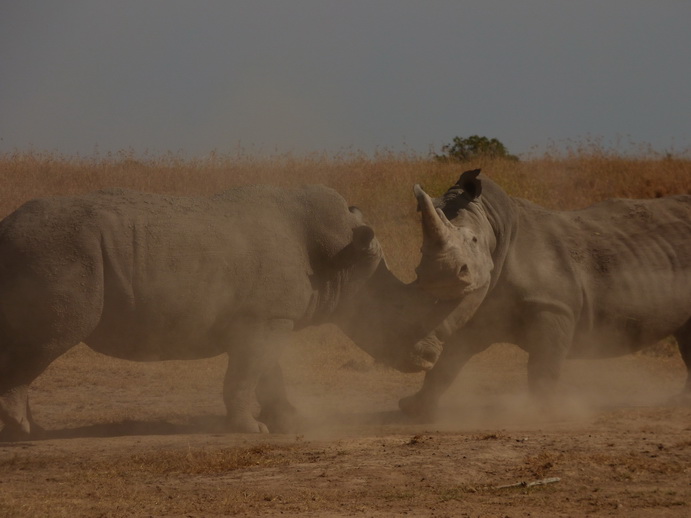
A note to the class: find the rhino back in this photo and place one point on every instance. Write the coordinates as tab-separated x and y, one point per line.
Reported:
189	270
622	266
637	272
170	277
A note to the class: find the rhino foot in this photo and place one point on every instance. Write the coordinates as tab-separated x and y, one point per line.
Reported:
15	433
418	408
25	430
681	399
281	418
248	425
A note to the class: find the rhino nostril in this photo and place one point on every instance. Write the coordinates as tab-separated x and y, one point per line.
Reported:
463	270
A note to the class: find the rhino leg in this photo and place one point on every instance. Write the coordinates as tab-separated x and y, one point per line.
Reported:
253	354
15	414
683	337
49	314
547	339
277	412
18	368
423	406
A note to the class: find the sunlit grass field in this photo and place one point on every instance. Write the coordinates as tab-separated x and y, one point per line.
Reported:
380	185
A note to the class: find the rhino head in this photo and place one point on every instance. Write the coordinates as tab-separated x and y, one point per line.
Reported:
457	240
384	316
456	264
389	319
405	325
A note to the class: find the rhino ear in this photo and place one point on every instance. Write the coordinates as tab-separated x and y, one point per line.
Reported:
363	235
470	183
362	245
356	212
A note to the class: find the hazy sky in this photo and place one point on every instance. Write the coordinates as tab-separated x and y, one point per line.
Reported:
304	76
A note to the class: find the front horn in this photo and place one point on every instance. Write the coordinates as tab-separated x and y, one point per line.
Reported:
434	231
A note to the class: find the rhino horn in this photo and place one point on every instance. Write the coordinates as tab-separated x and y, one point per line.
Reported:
434	223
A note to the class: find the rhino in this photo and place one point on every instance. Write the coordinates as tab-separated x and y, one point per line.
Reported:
598	282
151	277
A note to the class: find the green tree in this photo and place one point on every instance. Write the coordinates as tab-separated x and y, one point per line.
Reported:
475	146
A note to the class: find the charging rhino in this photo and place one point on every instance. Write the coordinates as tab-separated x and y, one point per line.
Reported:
602	281
149	277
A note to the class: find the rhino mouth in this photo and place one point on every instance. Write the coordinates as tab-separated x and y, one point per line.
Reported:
423	365
413	366
414	362
449	289
424	356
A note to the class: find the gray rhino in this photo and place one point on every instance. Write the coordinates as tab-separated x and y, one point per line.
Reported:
149	277
598	282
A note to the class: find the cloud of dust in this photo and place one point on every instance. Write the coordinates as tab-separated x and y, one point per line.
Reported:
491	391
352	395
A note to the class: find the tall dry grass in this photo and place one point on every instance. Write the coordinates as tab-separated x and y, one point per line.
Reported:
380	185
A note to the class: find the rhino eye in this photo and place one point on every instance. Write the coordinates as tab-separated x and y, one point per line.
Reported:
474	239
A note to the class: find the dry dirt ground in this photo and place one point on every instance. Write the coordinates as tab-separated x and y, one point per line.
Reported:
128	439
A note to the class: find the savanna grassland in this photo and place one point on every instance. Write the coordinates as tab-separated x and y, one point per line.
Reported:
137	439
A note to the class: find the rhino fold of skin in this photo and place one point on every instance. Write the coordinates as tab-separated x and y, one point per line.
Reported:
597	282
151	277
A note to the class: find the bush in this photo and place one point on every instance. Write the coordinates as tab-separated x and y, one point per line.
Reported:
475	146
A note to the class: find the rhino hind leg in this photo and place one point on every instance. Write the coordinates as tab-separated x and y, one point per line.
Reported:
15	414
547	341
16	374
683	337
49	316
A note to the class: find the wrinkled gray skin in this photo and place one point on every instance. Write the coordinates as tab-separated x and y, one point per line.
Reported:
148	277
598	282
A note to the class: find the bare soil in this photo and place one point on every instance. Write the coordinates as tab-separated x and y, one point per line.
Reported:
129	439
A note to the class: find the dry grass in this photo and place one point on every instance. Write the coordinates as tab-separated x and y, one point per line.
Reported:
445	474
380	185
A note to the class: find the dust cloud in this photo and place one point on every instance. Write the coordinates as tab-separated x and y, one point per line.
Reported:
492	388
352	393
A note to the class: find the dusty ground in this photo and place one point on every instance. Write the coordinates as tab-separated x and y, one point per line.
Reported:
127	439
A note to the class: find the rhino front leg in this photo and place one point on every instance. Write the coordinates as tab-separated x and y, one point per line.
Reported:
253	355
423	406
276	411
